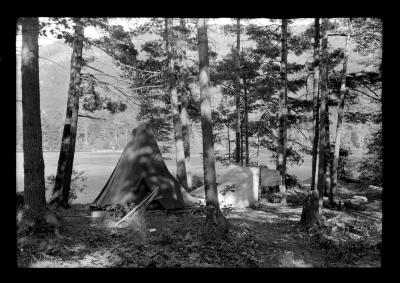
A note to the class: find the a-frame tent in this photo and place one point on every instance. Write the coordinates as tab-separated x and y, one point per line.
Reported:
141	169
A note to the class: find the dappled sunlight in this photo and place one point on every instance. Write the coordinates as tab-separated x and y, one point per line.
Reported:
288	260
237	186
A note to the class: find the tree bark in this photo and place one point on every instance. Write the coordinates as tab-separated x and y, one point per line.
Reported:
246	120
258	150
180	155
229	145
315	102
241	142
186	123
34	182
282	114
215	222
66	159
310	214
322	109
340	111
186	137
238	148
328	154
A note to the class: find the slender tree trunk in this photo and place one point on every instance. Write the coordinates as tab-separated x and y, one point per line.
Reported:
66	159
246	120
34	183
186	120
229	146
282	115
343	91
241	143
315	103
86	133
238	148
215	221
258	150
180	154
186	137
324	96
328	154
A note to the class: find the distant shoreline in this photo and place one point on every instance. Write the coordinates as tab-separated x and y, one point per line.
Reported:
100	150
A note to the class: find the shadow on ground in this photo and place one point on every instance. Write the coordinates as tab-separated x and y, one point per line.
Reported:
268	236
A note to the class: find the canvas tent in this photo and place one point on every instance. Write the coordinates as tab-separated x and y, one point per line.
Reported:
237	186
141	169
240	186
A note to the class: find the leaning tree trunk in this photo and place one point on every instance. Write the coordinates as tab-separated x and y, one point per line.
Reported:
282	114
216	223
315	102
66	159
186	137
238	148
343	91
322	109
180	154
34	183
246	126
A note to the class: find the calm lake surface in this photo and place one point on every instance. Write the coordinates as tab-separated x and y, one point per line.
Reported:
98	166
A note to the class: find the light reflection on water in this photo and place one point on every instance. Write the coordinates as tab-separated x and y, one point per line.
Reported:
99	165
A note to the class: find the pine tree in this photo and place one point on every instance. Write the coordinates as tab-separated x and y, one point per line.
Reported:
34	183
215	221
61	189
324	101
315	102
343	91
282	114
237	72
180	155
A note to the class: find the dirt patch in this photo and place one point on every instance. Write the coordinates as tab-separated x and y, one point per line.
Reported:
269	236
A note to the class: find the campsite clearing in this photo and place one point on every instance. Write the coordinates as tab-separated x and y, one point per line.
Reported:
265	237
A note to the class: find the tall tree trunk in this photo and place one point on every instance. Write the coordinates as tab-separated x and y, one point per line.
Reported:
258	150
34	183
186	120
315	102
215	221
229	145
246	120
322	109
241	143
343	91
238	148
328	155
66	159
282	115
186	137
180	155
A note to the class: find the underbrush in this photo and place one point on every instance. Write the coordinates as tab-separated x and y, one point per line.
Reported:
347	240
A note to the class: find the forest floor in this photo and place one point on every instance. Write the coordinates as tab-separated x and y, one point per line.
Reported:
269	236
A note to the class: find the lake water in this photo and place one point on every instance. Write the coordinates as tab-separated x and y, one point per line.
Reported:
98	167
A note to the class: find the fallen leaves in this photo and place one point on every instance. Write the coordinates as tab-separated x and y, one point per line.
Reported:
176	241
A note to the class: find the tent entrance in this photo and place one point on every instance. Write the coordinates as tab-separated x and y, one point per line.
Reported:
142	190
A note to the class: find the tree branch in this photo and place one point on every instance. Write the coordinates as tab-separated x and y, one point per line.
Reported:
374	98
91	117
300	144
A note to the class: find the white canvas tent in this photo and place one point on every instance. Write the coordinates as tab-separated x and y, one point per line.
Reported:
237	186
